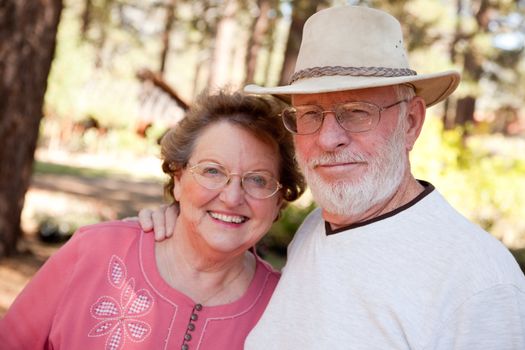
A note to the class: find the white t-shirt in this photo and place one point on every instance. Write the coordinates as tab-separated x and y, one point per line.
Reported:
421	277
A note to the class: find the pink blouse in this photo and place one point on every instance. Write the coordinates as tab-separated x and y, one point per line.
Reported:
102	290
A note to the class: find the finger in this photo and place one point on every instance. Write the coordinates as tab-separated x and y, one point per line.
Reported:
159	223
171	219
146	223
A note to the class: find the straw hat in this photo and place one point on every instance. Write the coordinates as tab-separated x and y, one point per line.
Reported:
354	47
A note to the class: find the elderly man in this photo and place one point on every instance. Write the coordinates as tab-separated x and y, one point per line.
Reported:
385	262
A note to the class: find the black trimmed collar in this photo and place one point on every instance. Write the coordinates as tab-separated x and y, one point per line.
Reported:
428	189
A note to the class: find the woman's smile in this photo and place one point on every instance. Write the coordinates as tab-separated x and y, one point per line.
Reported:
228	218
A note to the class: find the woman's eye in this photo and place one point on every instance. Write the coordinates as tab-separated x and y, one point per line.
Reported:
211	171
257	180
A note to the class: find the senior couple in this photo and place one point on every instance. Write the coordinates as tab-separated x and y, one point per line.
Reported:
384	263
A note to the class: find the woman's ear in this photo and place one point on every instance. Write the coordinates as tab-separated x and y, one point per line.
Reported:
177	187
281	204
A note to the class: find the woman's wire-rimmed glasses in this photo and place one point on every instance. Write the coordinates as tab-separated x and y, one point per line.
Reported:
351	116
213	176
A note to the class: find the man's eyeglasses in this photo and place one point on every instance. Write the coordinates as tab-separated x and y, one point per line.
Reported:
214	176
351	116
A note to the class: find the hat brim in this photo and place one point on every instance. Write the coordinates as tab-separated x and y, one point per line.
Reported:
433	88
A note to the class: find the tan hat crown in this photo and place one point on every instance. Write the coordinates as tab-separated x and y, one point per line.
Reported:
364	38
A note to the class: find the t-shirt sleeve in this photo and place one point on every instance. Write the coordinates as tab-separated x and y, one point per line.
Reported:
493	319
28	321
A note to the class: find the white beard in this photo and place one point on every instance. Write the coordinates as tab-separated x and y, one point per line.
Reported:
354	197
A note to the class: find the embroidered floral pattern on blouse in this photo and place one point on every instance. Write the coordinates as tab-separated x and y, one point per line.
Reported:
119	319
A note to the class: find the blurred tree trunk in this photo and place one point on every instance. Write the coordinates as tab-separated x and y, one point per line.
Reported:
271	44
196	78
259	29
466	51
170	17
271	48
301	10
465	108
27	43
224	43
87	15
103	14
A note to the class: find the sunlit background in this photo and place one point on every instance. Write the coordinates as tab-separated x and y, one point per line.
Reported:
124	71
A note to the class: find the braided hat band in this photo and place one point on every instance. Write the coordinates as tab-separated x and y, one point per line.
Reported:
315	72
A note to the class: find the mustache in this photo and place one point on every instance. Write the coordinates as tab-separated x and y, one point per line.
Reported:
339	157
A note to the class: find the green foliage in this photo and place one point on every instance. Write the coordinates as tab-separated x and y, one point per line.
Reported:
52	168
282	231
110	100
70	69
92	80
519	255
481	176
125	140
52	229
120	169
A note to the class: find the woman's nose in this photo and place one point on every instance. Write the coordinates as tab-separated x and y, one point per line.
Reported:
233	194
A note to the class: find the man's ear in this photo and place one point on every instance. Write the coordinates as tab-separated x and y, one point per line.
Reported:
415	119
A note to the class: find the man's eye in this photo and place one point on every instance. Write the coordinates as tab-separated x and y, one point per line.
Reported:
310	115
355	115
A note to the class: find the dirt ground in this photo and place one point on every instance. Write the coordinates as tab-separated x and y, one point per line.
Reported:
61	195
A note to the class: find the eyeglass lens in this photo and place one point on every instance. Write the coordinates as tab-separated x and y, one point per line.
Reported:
352	116
214	176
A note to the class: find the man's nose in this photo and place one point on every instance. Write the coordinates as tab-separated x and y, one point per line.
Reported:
331	135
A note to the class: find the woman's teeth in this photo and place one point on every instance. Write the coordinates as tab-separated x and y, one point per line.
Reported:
228	218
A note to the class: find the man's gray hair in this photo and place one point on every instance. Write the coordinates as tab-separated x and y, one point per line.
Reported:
404	92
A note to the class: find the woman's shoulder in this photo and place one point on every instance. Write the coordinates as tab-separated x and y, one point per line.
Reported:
108	233
111	227
93	245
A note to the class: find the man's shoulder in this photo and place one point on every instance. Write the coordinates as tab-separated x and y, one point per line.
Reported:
476	254
310	222
307	230
314	217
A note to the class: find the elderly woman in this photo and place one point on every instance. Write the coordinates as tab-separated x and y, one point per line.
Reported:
231	169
